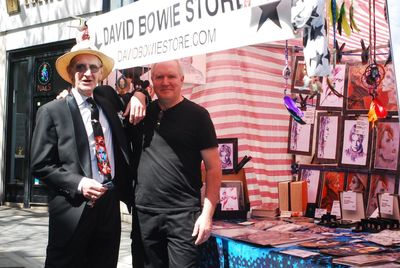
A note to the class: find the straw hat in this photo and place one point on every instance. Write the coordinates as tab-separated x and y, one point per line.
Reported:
83	47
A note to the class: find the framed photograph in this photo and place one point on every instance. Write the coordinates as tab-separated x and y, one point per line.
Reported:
356	139
357	182
311	174
300	80
300	138
329	100
12	6
328	129
231	195
386	145
357	96
228	154
379	183
332	185
388	93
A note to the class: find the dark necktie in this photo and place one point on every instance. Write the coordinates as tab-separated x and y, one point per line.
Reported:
103	163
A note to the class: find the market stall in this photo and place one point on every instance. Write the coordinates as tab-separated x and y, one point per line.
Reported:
306	103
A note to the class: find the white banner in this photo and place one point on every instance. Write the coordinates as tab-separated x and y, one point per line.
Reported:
145	32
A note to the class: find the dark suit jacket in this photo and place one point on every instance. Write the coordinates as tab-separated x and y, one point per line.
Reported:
60	158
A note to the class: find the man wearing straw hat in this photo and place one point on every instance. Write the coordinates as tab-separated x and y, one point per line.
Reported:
80	151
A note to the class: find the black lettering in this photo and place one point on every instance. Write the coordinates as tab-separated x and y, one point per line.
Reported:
106	36
215	11
151	22
190	11
142	25
162	19
175	18
129	29
112	35
223	2
119	29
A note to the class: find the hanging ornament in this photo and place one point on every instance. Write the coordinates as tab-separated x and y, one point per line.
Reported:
373	76
372	116
380	110
294	111
342	22
289	103
353	24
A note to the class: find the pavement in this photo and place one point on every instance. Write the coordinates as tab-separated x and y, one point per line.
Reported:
23	238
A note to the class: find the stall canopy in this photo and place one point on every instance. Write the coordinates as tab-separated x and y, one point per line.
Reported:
244	85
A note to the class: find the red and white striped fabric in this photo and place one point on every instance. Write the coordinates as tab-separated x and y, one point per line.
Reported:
244	95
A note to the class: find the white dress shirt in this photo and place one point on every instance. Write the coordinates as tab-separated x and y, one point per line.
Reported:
84	108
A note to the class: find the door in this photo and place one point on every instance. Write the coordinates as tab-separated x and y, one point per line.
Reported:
33	81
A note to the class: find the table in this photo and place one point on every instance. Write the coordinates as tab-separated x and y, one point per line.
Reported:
224	252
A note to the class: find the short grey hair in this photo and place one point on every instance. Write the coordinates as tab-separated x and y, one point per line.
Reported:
177	62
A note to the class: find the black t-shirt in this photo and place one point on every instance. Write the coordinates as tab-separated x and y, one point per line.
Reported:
169	170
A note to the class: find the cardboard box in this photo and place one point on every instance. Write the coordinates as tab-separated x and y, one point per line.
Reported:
298	196
284	195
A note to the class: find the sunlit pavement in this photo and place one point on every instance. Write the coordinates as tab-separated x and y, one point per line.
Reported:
23	238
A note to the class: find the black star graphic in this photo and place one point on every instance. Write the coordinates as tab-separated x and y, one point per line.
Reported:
316	31
314	13
305	38
317	59
328	56
269	11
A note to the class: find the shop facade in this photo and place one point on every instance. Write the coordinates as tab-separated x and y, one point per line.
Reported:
32	35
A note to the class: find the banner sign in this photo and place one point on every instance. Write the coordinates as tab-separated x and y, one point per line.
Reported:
146	32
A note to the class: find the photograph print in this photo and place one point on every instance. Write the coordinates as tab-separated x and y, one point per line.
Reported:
329	100
300	138
386	145
356	136
357	96
328	129
311	174
332	185
379	183
231	195
228	154
300	81
357	182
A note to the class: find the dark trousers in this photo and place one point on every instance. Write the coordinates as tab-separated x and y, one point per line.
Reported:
96	240
164	239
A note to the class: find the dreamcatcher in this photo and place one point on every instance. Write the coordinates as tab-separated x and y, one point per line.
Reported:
374	73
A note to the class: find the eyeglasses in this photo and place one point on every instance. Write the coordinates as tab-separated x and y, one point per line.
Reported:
82	68
159	118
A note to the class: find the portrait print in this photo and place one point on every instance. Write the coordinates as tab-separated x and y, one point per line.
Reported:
228	198
357	182
231	195
301	81
358	98
356	140
332	184
312	177
386	145
328	126
227	151
329	100
300	138
379	183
